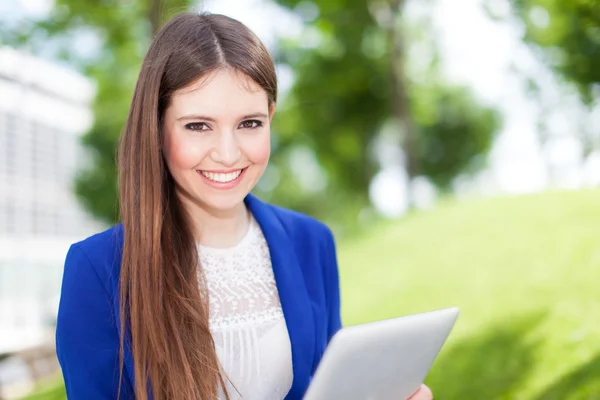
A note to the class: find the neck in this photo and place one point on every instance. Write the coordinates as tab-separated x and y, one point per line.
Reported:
218	228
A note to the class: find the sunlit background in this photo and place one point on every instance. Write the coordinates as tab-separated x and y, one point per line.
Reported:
452	145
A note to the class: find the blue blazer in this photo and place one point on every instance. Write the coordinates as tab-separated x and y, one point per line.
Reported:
304	262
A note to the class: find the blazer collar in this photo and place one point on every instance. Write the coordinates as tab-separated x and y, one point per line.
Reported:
293	294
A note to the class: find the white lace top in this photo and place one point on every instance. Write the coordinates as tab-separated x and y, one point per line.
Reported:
246	319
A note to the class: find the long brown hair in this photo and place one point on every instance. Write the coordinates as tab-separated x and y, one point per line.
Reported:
164	304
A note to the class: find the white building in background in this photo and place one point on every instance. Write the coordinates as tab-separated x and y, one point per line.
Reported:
44	110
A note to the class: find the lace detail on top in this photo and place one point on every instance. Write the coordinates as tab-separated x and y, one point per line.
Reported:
241	285
246	319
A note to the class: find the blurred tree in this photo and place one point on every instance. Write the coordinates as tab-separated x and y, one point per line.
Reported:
454	132
566	34
351	81
126	31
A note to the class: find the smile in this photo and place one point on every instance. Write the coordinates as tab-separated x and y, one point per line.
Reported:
220	177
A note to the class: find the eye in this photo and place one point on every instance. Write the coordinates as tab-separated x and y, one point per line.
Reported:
197	126
251	124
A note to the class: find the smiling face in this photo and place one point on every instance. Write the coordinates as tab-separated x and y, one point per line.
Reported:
217	139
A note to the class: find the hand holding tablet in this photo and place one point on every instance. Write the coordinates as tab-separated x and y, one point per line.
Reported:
382	360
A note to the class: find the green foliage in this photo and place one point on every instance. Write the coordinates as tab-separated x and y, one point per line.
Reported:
454	132
341	95
344	96
568	35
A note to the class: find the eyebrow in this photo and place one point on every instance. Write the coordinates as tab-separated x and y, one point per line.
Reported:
206	118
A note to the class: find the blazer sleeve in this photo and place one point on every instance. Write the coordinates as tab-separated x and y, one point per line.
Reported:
333	287
87	340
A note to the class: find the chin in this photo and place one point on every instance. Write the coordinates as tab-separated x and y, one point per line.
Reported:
222	203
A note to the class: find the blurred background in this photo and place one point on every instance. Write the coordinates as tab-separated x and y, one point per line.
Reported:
453	146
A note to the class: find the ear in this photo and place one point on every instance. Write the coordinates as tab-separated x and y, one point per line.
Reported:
271	112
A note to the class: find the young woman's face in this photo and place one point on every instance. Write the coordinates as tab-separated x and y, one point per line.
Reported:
217	139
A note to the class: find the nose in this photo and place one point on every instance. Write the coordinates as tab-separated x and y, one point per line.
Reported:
227	151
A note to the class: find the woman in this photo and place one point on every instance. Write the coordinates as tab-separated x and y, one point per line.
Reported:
203	291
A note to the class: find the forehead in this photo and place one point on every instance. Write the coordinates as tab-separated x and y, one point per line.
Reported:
220	93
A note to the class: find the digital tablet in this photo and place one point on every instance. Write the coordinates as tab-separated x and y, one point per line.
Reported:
381	360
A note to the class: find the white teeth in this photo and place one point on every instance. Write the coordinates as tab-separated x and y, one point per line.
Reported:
222	178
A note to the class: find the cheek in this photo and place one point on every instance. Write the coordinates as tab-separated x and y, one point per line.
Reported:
259	149
180	154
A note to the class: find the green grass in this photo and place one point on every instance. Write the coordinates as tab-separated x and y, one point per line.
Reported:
52	389
525	272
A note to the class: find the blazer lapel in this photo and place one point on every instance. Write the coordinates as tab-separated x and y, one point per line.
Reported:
294	297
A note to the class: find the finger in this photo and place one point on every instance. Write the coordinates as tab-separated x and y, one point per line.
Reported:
424	393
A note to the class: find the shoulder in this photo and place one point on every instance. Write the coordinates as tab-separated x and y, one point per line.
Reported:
103	242
312	240
90	276
298	224
99	255
305	232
